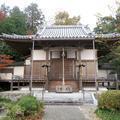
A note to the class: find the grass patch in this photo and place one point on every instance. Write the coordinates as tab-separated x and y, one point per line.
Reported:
105	114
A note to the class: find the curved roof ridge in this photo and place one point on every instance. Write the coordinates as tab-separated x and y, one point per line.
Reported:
64	26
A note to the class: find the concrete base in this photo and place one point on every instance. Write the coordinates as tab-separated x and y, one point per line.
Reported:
33	89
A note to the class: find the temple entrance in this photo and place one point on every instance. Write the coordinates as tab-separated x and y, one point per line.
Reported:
56	76
56	69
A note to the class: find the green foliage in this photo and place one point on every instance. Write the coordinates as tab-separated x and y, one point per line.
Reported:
14	23
5	9
7	26
109	53
6	49
29	104
15	112
105	25
62	18
7	103
108	114
109	100
4	100
109	24
19	19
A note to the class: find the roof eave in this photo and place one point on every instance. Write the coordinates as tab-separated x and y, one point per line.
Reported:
61	39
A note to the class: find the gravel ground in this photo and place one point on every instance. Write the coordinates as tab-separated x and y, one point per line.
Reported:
55	112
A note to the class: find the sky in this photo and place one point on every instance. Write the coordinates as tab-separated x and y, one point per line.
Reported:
87	9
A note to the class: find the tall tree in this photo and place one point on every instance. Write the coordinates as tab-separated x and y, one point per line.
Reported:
63	18
109	24
105	24
110	53
19	19
5	9
14	23
35	17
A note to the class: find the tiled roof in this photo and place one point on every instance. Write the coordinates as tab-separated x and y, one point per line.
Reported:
14	36
62	32
54	32
65	32
108	35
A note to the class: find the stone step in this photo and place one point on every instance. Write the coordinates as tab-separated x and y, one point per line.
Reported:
63	103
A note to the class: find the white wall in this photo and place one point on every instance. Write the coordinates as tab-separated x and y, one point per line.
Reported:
5	76
39	55
27	62
55	54
104	73
19	71
71	53
88	54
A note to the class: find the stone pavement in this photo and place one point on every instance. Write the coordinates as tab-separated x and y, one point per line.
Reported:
59	112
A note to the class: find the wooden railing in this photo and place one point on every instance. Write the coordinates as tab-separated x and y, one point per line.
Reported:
83	77
28	78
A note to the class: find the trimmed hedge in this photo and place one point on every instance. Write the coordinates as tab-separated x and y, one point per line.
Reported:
109	100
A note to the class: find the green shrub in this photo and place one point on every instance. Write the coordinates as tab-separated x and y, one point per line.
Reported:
6	103
29	104
24	107
109	100
5	100
15	112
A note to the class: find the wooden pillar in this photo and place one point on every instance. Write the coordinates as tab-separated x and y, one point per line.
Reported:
47	75
95	73
80	71
11	85
117	84
63	72
31	76
18	84
108	85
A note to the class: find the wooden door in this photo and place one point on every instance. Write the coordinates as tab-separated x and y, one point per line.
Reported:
39	73
56	69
